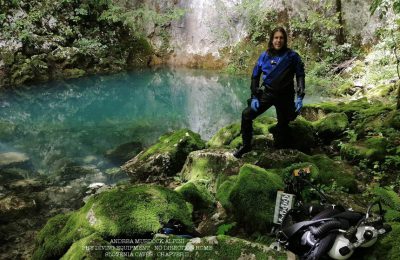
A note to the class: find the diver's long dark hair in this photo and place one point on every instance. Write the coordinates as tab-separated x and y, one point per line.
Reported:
271	50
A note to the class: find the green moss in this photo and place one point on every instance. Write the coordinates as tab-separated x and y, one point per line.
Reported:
124	211
253	198
344	88
301	135
372	149
224	190
180	143
331	126
196	193
236	143
334	171
219	247
262	124
199	170
73	73
393	120
46	245
224	136
210	166
87	248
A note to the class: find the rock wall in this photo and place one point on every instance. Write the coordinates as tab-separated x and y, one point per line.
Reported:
209	26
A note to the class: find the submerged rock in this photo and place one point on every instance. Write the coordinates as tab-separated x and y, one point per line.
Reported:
124	152
14	160
165	158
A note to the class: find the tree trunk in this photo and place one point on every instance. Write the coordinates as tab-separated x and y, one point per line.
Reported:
398	94
340	39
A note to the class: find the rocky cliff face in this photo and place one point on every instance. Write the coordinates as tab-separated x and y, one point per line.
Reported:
209	26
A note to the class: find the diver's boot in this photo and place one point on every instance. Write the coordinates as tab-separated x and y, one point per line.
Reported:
242	150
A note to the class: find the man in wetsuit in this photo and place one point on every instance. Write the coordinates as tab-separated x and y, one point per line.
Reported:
279	65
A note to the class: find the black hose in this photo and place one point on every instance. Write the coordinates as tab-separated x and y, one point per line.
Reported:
321	231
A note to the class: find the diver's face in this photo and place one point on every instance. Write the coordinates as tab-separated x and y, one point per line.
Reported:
278	41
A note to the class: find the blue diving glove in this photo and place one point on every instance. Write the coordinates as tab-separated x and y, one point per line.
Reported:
298	104
255	104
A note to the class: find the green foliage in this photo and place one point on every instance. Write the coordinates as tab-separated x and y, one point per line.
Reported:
260	20
224	228
137	19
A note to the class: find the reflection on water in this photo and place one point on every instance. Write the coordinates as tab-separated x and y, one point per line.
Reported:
90	115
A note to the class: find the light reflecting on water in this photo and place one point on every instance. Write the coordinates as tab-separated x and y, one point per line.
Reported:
90	115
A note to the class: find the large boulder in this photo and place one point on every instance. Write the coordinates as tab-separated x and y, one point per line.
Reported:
209	247
14	160
371	149
210	166
12	207
301	135
165	158
197	194
224	136
252	198
135	212
331	126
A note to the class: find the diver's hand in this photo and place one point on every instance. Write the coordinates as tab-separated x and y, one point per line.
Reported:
255	104
298	104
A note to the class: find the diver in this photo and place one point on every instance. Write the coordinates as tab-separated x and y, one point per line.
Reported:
278	64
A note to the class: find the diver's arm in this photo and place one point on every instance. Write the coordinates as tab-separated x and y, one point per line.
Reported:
300	89
255	77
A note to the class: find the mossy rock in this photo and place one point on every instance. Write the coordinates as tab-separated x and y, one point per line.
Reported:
334	172
326	172
393	120
210	247
331	126
73	73
133	211
262	124
230	136
301	135
372	149
89	248
253	198
224	190
197	194
280	158
224	136
349	108
165	158
372	121
210	166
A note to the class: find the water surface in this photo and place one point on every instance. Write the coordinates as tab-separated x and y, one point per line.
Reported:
90	115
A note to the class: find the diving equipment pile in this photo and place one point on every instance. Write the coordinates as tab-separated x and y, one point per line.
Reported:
316	231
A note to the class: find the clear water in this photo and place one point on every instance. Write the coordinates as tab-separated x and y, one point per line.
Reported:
87	116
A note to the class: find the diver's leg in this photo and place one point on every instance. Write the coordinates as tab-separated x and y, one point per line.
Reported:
248	115
284	111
